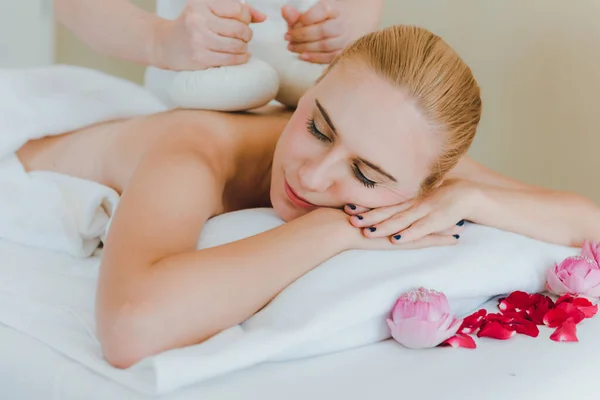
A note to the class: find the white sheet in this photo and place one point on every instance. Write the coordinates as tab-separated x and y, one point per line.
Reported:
521	368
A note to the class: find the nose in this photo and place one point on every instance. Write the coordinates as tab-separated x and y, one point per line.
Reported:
318	174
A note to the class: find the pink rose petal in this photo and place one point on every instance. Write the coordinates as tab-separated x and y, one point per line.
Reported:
567	332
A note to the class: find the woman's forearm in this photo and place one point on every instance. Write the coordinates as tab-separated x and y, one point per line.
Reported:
187	298
115	27
552	216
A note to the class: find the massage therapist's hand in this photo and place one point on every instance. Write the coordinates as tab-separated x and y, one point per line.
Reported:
321	33
208	33
435	220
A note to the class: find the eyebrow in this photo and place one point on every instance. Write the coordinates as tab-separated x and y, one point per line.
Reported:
367	163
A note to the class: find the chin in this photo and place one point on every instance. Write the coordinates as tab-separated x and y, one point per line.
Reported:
284	210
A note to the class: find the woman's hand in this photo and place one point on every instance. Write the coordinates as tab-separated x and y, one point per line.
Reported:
323	31
435	220
208	33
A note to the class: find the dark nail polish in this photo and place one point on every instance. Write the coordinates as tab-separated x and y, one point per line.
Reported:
461	222
397	237
352	206
360	217
456	236
372	229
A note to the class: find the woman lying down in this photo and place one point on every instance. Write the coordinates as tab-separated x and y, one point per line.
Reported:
372	158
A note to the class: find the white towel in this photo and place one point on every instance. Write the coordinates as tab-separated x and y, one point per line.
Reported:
45	209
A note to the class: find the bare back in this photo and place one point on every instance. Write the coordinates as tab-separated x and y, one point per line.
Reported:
109	152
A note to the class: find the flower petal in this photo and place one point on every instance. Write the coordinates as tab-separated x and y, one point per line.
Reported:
555	317
495	330
472	322
524	327
419	334
460	340
572	312
586	306
567	332
554	284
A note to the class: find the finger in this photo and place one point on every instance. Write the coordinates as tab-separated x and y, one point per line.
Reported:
433	222
232	10
398	224
291	15
230	28
353	209
321	46
223	59
428	241
323	10
322	30
223	44
257	16
320	58
378	215
455	230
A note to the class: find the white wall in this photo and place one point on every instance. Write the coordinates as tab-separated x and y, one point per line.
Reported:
26	33
538	63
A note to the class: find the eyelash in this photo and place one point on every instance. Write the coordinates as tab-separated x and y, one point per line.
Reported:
312	128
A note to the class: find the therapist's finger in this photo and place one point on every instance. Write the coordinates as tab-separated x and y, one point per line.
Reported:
225	44
321	46
230	28
218	59
291	15
322	30
323	10
320	58
235	10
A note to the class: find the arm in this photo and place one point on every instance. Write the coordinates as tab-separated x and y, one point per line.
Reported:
157	292
114	27
549	215
206	33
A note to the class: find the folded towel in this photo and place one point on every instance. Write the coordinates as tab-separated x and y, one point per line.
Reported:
49	210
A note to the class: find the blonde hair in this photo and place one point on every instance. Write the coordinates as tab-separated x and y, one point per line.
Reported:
435	77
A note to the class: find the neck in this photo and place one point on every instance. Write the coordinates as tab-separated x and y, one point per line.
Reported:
250	179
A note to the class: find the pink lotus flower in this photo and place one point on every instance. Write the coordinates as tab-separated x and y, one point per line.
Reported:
577	275
421	318
591	250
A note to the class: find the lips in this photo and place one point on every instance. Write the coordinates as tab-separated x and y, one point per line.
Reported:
296	199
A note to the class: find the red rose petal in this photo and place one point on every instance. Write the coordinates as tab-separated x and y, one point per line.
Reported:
500	318
572	312
555	317
460	340
495	330
518	301
567	332
586	306
524	327
472	322
540	305
565	298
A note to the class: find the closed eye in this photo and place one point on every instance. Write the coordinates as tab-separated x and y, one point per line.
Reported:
312	128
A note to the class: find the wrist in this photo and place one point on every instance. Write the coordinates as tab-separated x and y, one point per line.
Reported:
155	48
477	202
335	225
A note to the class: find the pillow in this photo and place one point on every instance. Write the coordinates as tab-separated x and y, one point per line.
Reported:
343	302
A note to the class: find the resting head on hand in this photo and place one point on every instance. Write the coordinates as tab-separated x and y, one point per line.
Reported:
383	125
